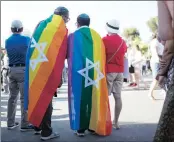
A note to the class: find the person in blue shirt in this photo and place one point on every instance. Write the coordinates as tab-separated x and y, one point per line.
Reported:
16	46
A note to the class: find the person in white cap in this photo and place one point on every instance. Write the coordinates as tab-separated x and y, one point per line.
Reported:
115	51
16	46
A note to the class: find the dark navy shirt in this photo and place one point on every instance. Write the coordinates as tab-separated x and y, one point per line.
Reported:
16	46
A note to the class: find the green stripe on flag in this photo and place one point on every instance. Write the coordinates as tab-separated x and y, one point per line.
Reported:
40	28
86	98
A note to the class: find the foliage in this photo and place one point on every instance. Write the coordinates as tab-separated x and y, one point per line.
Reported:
131	33
152	24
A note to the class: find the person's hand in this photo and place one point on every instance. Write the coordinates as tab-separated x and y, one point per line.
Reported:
161	80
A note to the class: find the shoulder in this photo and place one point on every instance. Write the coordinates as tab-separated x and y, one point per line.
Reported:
8	40
105	37
25	37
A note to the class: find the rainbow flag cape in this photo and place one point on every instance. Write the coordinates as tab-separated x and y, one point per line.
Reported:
87	86
44	65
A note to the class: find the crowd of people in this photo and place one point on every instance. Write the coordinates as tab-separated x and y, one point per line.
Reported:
124	63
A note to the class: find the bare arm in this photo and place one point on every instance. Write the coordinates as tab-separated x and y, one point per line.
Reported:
165	22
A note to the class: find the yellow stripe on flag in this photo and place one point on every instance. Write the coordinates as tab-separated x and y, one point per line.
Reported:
47	36
96	91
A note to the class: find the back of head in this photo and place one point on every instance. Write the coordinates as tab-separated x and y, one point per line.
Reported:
16	26
83	20
62	11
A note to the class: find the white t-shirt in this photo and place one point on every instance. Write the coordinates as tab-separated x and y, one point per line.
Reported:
137	63
156	48
131	53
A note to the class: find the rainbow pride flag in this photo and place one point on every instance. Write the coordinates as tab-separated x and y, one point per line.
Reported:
87	87
44	65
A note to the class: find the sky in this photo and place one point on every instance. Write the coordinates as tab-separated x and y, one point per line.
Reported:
129	13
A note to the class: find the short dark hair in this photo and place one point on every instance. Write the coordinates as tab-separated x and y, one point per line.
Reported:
83	20
62	11
16	30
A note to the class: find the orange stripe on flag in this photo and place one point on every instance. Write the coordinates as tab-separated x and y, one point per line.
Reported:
46	68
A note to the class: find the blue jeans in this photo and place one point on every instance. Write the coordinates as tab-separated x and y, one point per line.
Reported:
155	69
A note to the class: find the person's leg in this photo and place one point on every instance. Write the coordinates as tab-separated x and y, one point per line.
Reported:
154	83
137	77
132	76
37	130
12	101
144	82
131	79
47	132
117	87
20	80
110	79
46	122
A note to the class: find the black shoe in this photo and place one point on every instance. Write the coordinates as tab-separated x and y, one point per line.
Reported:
91	131
80	134
37	131
28	128
13	127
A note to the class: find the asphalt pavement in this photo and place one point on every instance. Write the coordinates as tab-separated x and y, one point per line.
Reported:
138	119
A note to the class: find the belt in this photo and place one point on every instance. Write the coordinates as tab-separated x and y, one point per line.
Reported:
17	65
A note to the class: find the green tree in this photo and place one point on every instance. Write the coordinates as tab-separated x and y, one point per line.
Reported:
144	48
152	24
131	33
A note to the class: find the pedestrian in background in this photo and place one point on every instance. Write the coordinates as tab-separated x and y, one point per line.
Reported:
156	51
137	64
115	51
131	53
16	46
5	81
126	69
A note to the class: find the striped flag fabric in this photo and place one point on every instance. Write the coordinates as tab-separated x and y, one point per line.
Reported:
44	65
87	87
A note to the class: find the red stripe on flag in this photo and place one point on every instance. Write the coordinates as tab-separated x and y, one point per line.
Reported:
50	87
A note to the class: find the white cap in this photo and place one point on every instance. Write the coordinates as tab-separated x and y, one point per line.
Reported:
113	26
17	24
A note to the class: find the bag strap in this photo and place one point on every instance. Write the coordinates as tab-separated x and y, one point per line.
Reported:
115	52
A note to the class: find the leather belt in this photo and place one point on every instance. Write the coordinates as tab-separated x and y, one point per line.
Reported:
17	65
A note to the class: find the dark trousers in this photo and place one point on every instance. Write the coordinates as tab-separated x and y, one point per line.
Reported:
46	122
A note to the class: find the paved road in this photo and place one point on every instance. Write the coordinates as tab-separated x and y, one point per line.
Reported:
138	119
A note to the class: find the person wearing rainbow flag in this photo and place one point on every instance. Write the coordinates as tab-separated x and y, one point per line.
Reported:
87	86
44	65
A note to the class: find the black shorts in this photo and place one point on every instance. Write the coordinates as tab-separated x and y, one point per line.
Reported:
131	69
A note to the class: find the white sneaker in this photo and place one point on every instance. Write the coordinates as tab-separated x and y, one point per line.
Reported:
52	136
79	134
13	127
116	126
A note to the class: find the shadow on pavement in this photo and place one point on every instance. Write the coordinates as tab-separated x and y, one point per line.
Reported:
129	132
